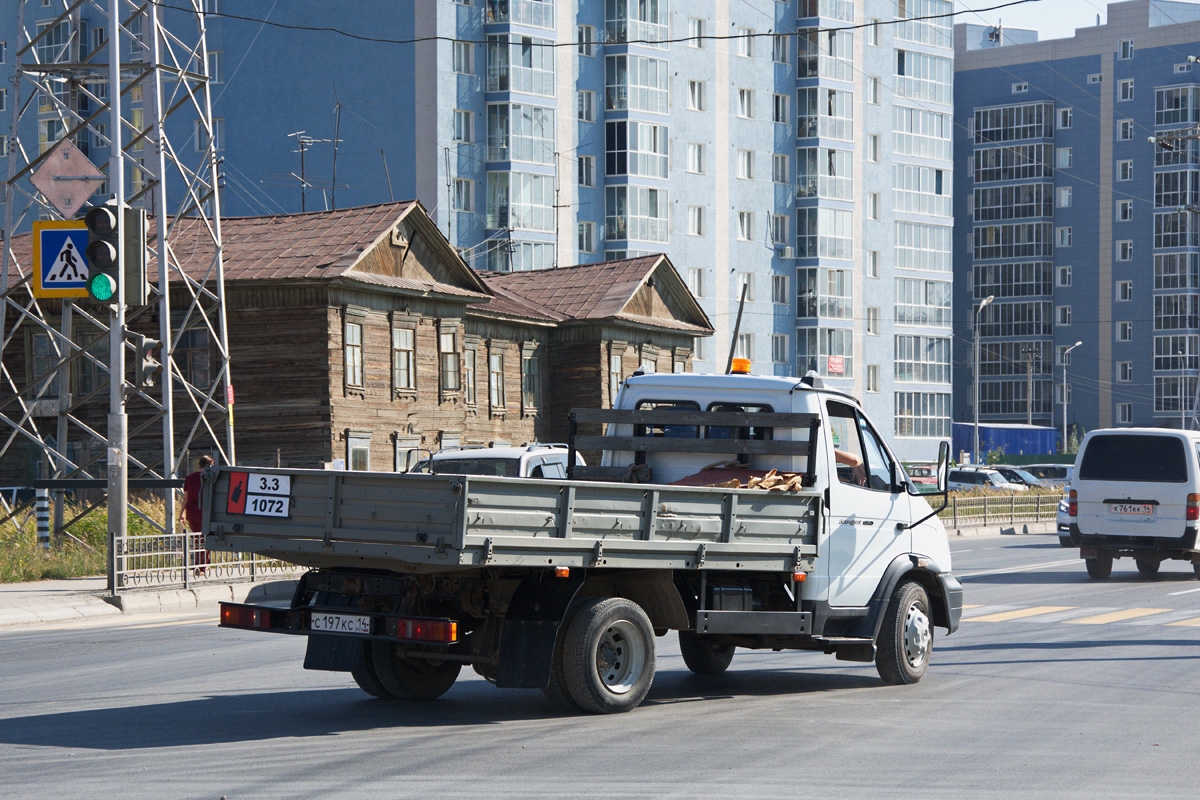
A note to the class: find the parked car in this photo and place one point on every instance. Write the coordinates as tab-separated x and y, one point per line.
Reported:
922	472
1054	475
1063	523
528	461
1020	475
967	478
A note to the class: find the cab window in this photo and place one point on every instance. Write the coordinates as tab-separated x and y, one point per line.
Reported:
879	465
668	431
726	432
847	445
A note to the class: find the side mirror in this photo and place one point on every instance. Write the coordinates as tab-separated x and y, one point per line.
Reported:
943	467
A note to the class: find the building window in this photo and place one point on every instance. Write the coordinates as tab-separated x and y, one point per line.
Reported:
779	348
744	346
873	378
1124	211
358	451
745	283
872	263
1124	291
1064	197
873	148
404	360
470	358
1020	88
1124	170
1125	413
1183	69
200	135
1124	331
1062	236
354	354
587	237
45	356
695	101
634	83
780	109
779	290
779	169
463	58
1095	77
463	195
1125	130
1064	118
779	229
1063	158
520	132
635	212
695	158
530	382
873	32
873	90
872	321
745	164
1124	371
496	382
695	220
746	103
448	368
1125	250
462	126
695	281
1125	89
1125	49
1064	276
873	205
615	375
191	356
779	48
1062	316
925	359
587	171
587	106
695	28
745	42
745	225
586	36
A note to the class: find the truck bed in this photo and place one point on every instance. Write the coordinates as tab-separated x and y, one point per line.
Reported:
435	523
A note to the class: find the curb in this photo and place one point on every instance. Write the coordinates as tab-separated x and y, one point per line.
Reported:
1004	530
77	607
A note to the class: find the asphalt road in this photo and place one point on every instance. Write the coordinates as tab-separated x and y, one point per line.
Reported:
1055	686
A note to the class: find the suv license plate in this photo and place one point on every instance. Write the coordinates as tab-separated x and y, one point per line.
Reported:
1131	508
340	623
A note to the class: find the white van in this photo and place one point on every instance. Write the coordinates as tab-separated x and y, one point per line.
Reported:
525	461
1136	493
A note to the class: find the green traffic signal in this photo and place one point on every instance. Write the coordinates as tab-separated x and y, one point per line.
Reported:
104	230
101	286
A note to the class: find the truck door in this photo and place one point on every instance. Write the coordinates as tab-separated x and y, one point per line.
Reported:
864	512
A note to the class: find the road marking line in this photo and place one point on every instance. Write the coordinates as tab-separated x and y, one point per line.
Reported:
1185	591
975	605
1020	613
1022	568
1190	623
988	609
1118	616
1164	619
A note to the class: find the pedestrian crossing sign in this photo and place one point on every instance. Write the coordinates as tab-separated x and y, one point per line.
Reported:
60	267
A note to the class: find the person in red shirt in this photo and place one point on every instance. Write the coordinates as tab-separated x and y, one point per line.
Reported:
190	510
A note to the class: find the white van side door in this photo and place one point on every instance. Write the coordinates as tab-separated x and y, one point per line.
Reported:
865	515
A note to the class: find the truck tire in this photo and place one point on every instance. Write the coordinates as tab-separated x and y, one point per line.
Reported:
608	655
412	678
1099	567
1196	569
906	636
556	691
364	674
1147	567
703	657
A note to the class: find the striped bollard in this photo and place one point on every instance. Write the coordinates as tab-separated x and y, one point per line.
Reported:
42	512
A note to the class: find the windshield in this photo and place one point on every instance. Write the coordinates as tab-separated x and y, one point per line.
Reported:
996	478
496	467
1026	476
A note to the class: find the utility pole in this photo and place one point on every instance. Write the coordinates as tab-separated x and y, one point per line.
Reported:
1028	351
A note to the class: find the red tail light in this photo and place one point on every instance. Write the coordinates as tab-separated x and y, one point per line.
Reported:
1073	504
444	631
1193	507
234	615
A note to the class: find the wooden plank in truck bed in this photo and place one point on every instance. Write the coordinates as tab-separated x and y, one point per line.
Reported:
438	522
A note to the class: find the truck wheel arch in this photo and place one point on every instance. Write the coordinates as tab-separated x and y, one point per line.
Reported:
906	568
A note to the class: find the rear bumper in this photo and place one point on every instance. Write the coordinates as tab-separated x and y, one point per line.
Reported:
1124	542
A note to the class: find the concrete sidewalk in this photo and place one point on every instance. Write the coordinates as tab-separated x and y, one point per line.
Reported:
78	598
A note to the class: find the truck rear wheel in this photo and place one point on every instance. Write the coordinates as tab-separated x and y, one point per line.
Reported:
1147	567
364	674
608	655
906	636
412	678
703	657
1099	567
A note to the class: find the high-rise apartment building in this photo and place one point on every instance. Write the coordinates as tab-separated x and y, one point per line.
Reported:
1080	227
796	153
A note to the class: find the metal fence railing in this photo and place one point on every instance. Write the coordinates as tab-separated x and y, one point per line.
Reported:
179	560
968	512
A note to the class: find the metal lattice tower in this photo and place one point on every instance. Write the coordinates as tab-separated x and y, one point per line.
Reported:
131	89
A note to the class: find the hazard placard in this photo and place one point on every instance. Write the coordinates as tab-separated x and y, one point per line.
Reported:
60	267
237	493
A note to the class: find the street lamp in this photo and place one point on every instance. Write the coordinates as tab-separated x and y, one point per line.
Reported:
1066	355
975	397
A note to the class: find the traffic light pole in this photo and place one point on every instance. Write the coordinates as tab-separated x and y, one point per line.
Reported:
118	423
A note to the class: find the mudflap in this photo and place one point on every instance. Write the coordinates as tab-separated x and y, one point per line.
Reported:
332	653
531	628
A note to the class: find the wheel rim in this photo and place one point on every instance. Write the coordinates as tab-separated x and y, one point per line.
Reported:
620	657
916	635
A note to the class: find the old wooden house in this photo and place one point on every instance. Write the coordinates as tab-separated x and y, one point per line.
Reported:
360	337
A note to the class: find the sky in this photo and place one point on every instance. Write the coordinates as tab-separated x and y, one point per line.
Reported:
1052	19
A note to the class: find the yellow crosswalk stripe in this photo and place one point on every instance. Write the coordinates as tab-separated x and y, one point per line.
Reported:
1117	616
1020	613
1191	623
970	606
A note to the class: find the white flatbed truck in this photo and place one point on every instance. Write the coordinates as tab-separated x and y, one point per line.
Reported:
563	585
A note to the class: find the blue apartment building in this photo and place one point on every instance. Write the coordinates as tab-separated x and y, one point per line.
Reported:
798	153
1079	226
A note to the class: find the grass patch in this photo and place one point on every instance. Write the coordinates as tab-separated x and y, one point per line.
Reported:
21	559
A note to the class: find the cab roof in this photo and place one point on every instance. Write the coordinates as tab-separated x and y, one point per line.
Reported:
735	382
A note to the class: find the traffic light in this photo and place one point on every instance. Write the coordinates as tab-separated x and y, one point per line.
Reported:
107	275
103	226
145	361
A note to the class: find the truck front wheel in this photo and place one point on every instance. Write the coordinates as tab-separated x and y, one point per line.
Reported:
608	655
411	678
703	657
906	636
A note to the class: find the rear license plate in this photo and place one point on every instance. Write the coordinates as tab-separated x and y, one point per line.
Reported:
1144	509
340	623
